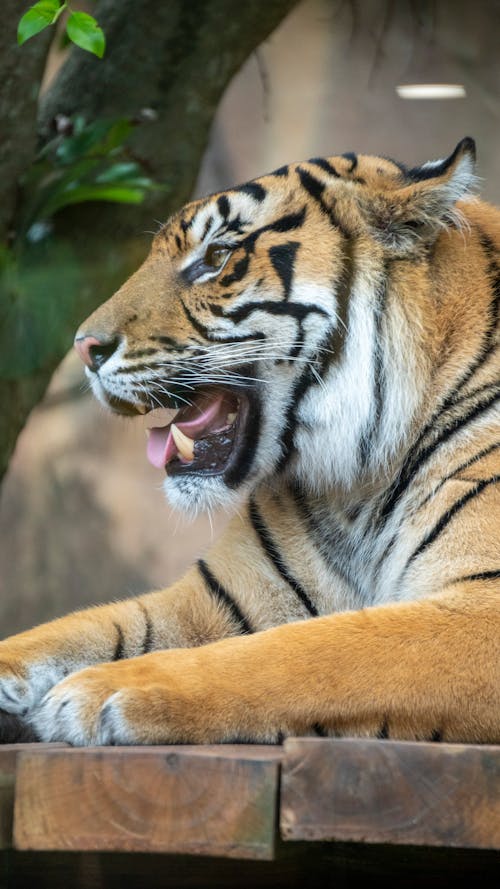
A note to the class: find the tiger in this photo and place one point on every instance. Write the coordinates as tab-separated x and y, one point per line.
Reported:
324	340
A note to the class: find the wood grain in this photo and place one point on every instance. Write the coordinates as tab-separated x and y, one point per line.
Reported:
391	792
199	801
8	755
8	762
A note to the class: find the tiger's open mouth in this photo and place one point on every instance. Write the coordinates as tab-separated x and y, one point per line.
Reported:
204	437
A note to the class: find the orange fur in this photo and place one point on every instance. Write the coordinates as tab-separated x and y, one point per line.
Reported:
392	541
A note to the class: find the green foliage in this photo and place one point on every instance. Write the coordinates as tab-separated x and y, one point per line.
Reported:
40	274
87	162
81	28
38	17
35	306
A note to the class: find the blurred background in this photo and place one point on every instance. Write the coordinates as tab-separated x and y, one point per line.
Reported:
82	516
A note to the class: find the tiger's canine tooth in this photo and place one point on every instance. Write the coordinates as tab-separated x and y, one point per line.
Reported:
184	444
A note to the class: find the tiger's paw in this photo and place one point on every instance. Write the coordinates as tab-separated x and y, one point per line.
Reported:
166	701
24	683
109	704
71	710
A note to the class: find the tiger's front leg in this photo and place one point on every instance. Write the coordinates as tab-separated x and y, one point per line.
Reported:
190	613
400	671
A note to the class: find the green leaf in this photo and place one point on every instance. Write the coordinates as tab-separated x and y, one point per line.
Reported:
82	143
37	18
126	170
122	194
83	30
117	134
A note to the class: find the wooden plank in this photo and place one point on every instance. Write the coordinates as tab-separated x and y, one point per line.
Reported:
391	792
193	800
8	760
8	755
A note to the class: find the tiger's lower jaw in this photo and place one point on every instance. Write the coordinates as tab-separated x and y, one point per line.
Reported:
191	494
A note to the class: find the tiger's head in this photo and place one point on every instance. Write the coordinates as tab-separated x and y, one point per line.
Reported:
257	317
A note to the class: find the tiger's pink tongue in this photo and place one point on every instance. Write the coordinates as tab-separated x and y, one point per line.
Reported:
207	415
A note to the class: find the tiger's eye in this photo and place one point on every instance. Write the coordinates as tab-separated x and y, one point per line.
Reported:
215	255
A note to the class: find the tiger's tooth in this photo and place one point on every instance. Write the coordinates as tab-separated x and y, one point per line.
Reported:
184	444
231	417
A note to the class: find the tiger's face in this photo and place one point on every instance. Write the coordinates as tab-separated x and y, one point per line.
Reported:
239	321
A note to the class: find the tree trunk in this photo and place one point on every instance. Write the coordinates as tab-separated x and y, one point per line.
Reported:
21	69
175	58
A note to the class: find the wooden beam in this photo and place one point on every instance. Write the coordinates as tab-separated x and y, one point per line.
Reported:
8	755
391	792
189	800
8	762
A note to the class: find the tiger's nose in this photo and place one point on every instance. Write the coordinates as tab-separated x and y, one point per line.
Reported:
95	352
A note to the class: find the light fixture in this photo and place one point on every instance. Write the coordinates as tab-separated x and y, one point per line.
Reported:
431	91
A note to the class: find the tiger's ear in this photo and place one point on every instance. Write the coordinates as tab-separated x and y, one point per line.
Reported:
425	203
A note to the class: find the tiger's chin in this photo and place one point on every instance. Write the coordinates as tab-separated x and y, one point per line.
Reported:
192	495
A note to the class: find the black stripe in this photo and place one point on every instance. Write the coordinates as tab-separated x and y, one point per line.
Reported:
316	189
222	595
119	652
369	433
282	258
378	382
466	465
299	311
207	227
414	462
275	558
141	353
436	736
168	341
239	271
281	172
148	641
223	206
256	191
343	287
350	156
187	223
204	331
287	223
232	225
383	732
449	515
329	539
301	386
488	345
417	174
463	401
325	165
237	472
319	730
481	575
